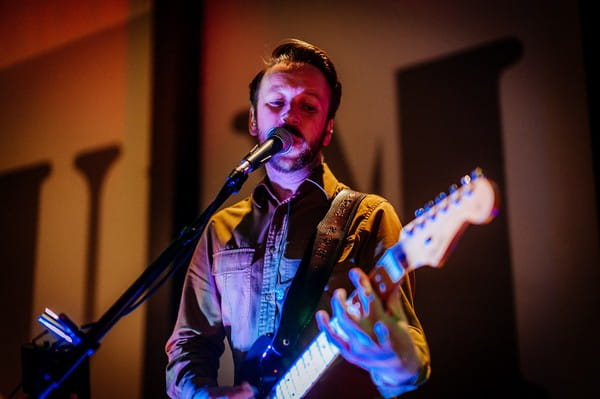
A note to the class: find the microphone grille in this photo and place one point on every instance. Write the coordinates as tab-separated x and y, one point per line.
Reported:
284	136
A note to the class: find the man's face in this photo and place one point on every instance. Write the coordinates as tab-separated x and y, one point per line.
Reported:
296	97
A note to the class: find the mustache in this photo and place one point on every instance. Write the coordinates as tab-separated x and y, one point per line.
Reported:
293	130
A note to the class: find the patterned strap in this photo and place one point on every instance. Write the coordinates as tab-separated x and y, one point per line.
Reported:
314	271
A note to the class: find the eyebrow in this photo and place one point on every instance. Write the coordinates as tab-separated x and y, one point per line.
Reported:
309	92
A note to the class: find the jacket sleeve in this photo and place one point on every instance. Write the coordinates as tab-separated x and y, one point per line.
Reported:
197	341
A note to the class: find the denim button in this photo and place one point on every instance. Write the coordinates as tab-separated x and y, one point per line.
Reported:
279	293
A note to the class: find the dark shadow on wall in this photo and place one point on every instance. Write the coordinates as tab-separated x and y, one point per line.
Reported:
174	164
588	27
19	211
94	166
450	124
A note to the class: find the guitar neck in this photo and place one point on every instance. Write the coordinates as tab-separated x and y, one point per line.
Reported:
307	369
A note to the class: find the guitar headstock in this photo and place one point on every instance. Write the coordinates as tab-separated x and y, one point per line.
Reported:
430	237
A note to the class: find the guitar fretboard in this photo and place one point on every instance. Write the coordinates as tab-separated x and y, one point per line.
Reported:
305	372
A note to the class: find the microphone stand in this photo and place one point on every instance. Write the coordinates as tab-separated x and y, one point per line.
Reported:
89	341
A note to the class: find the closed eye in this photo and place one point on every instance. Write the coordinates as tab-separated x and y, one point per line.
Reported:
309	108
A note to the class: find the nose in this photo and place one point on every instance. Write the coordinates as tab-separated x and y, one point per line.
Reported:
290	116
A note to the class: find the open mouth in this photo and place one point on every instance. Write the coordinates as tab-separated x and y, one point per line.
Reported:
293	130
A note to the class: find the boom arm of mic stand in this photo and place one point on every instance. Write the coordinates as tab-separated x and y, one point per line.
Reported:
91	340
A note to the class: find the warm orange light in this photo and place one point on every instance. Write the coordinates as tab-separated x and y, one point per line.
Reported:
31	27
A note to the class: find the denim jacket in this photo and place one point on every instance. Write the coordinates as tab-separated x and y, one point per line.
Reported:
243	266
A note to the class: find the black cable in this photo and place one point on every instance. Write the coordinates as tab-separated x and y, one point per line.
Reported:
40	335
176	264
14	392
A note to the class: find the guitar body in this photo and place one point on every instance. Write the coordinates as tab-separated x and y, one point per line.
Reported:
425	241
263	372
262	366
343	380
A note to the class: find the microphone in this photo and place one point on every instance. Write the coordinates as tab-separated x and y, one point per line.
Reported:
279	140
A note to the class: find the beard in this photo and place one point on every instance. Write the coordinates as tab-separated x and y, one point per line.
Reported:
309	155
305	158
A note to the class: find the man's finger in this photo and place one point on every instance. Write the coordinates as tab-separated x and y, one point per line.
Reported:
336	339
363	291
395	307
383	335
339	306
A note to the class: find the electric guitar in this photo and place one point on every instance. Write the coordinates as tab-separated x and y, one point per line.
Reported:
425	241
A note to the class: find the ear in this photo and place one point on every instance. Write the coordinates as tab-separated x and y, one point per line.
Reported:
252	125
328	133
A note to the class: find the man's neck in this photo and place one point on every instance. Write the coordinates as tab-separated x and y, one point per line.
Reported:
285	184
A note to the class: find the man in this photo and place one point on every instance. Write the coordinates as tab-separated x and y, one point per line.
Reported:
246	259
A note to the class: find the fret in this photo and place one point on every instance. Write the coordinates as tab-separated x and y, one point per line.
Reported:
311	364
295	371
319	361
328	351
291	383
323	361
282	391
303	374
303	382
310	374
305	370
305	379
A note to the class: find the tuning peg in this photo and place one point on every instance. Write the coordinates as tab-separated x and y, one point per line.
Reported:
438	200
440	197
428	206
454	194
476	173
466	179
419	212
431	213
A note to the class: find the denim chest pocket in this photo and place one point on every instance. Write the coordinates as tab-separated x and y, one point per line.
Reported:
232	270
232	261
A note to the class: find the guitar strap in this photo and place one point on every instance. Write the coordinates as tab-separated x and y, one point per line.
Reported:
314	270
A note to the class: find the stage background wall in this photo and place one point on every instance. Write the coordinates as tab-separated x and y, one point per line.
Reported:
78	116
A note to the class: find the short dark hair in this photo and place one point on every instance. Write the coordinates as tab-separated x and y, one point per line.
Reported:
297	51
